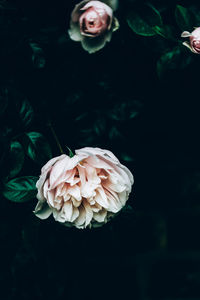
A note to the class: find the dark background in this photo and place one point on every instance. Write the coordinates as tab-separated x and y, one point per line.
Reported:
113	99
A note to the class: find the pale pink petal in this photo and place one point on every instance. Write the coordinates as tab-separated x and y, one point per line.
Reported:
80	221
66	197
74	191
99	6
101	198
100	216
58	202
59	190
58	172
123	197
51	197
91	174
59	216
196	33
77	11
96	162
96	207
75	202
44	173
185	34
74	32
89	213
75	214
95	44
82	174
114	183
88	190
68	210
97	151
114	203
51	162
42	210
189	47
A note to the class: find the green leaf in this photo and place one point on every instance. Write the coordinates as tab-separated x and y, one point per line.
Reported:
172	60
16	158
142	21
126	157
71	154
37	56
125	110
38	148
183	18
26	112
21	189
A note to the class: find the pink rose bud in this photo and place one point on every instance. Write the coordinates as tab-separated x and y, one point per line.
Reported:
194	40
85	190
92	23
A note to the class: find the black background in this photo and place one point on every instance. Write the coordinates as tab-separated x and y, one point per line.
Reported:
152	249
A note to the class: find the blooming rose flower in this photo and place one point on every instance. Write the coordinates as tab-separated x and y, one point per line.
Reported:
194	40
84	190
92	23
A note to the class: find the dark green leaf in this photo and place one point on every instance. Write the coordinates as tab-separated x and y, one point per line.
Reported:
183	18
126	157
16	158
166	31
114	133
99	126
37	56
125	110
143	20
21	189
38	148
26	113
172	60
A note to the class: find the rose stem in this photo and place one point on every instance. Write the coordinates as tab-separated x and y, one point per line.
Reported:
55	137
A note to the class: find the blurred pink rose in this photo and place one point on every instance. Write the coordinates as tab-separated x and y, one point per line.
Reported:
92	23
85	190
194	40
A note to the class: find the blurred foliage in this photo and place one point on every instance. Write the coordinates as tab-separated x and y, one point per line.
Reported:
137	97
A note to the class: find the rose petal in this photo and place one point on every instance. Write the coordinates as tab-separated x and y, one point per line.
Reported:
113	200
58	172
75	214
74	191
75	15
68	210
89	212
97	151
196	33
74	32
185	34
44	172
100	216
79	222
98	5
42	210
93	45
101	198
189	47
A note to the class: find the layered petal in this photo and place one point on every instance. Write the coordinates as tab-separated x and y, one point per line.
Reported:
84	190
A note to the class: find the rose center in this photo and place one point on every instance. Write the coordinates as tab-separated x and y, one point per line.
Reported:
93	22
196	44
